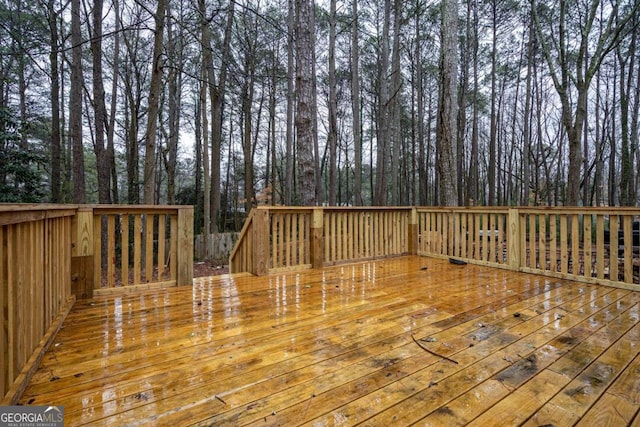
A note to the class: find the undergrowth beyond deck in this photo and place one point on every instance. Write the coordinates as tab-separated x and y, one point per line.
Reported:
390	342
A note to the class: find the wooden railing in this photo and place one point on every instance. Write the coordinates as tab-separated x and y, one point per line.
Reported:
585	244
276	238
590	245
52	254
35	287
471	234
353	235
137	247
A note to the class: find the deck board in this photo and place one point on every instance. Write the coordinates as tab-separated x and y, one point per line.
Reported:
336	347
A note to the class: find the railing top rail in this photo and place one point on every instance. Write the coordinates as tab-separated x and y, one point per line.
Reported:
134	209
472	209
15	213
615	210
24	207
335	208
367	208
20	213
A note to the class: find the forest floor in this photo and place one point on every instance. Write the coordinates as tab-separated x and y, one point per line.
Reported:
210	268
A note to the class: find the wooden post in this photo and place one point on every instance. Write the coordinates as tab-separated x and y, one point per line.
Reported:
413	232
82	269
261	242
185	246
513	239
317	230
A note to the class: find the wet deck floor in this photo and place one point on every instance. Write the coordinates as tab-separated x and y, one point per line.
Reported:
393	342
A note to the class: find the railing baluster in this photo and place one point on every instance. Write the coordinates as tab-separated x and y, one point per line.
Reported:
124	254
587	245
613	247
628	249
553	243
111	245
600	266
137	248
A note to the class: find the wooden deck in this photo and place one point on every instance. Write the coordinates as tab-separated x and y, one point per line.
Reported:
394	342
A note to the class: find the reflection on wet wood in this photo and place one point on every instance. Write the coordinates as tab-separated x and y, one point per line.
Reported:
336	347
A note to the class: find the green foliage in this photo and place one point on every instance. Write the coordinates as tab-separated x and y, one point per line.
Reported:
20	178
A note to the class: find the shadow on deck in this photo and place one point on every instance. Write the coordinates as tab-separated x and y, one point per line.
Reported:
391	342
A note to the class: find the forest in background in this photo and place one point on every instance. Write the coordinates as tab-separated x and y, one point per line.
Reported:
227	104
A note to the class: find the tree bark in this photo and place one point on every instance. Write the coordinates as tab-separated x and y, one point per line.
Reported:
112	116
247	95
447	105
626	62
56	141
154	105
494	113
526	141
382	128
217	95
422	161
474	175
332	135
355	105
170	153
291	99
306	109
99	110
75	105
395	129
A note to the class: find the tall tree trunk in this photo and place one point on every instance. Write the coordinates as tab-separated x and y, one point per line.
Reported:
199	208
422	160
634	131
613	150
332	133
447	104
22	95
599	143
205	162
494	113
99	112
247	94
217	95
306	109
355	105
154	104
462	106
382	125
526	141
291	99
473	183
114	103
170	153
271	172
395	131
627	192
75	105
56	141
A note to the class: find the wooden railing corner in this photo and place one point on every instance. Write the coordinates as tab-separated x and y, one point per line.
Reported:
261	241
514	239
185	246
82	275
413	232
317	242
